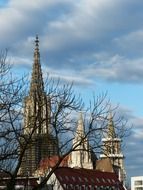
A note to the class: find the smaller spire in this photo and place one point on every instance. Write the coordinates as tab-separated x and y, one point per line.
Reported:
80	126
82	156
111	131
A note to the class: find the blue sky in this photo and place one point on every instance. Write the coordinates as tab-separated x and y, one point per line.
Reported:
3	2
97	44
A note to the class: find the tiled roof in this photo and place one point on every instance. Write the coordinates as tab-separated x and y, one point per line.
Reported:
52	161
69	177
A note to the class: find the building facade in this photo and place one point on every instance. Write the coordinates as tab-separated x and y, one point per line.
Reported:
112	150
37	114
137	183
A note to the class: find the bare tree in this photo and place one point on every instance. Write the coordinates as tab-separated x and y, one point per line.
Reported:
64	106
12	92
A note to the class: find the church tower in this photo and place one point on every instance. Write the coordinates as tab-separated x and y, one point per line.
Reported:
112	150
37	112
82	156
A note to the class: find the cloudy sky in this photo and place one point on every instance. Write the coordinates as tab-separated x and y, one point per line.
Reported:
96	44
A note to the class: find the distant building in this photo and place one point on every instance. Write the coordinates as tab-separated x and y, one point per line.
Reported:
112	150
37	115
137	183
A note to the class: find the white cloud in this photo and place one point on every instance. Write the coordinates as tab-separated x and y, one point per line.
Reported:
116	68
77	30
132	42
18	61
68	77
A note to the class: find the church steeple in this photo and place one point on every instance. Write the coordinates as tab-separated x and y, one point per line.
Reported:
37	120
112	149
37	85
111	130
81	157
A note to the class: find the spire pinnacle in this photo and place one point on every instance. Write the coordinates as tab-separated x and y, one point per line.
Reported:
80	126
36	52
37	85
111	131
37	43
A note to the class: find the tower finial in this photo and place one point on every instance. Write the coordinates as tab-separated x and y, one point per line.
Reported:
37	42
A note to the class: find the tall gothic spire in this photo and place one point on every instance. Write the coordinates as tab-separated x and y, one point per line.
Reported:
36	86
111	131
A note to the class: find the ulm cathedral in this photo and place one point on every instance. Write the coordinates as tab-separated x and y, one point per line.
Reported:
37	112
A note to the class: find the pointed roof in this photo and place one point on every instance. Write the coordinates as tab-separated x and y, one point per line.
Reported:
37	85
111	130
80	125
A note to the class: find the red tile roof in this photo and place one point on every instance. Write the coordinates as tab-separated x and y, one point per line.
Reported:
52	161
69	177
